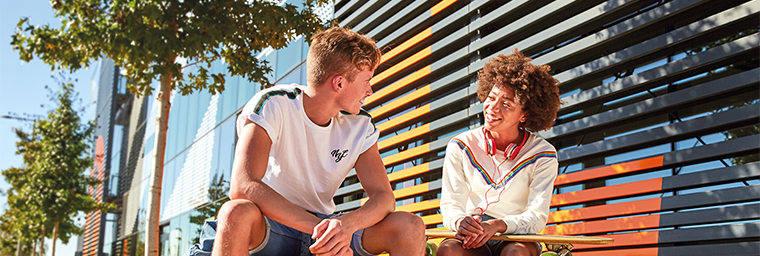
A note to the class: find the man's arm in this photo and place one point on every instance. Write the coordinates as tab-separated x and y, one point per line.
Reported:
371	173
249	167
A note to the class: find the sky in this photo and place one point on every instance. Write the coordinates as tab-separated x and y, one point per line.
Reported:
22	88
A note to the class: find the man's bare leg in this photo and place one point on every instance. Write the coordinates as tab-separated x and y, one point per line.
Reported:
400	233
238	221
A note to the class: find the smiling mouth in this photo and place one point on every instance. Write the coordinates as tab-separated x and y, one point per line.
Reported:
490	118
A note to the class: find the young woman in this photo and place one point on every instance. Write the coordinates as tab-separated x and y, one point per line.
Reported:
499	178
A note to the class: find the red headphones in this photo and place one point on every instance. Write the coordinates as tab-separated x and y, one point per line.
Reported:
512	149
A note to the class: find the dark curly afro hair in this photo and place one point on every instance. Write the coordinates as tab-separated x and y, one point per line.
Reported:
534	87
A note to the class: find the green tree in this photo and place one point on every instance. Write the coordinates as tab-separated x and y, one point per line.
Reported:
743	132
217	195
48	193
19	225
146	38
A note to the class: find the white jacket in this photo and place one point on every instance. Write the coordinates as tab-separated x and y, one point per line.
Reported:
520	195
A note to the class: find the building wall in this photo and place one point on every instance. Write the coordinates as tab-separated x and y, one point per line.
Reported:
200	144
94	229
657	138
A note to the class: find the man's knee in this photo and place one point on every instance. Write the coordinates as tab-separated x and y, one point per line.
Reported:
406	221
239	210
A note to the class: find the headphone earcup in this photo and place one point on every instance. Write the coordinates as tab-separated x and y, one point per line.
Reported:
511	151
490	144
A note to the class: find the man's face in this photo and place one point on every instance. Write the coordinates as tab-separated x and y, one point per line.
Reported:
354	92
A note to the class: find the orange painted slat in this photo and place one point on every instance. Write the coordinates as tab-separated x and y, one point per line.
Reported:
406	154
403	118
421	206
432	219
440	6
624	252
608	170
407	44
413	190
604	226
402	65
408	172
603	211
399	84
425	128
626	189
425	90
627	239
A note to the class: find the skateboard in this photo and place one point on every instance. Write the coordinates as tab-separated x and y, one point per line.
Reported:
556	245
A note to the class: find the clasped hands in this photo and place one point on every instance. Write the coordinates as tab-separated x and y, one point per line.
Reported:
332	238
475	233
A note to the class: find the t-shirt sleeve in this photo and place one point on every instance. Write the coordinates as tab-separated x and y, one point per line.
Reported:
371	134
263	111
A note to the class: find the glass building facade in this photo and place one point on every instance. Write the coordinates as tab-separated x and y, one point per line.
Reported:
657	138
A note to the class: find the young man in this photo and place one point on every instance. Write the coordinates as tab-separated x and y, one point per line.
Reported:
296	146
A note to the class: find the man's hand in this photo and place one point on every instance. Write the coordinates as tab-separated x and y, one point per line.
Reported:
332	239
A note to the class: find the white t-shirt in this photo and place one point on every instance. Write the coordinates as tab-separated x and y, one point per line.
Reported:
307	162
519	194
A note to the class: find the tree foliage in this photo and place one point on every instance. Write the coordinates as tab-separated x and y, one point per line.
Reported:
150	38
217	195
146	37
51	188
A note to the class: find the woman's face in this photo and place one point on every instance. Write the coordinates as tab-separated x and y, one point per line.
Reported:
502	111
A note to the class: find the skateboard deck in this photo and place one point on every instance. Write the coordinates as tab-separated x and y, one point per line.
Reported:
547	239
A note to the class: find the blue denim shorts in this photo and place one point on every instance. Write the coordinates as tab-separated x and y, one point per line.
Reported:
279	240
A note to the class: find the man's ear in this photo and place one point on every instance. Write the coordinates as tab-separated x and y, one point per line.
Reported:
337	82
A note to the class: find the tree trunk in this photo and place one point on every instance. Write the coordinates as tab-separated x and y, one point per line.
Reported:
34	250
42	241
55	236
156	177
19	246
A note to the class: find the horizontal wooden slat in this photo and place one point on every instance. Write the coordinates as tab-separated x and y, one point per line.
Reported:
398	103
421	206
422	110
379	95
401	65
440	6
419	37
408	172
406	154
609	192
425	128
603	211
610	170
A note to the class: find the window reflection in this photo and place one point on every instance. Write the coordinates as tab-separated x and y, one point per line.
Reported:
289	57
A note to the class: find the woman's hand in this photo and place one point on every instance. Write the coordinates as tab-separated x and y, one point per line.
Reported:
469	230
475	233
490	228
